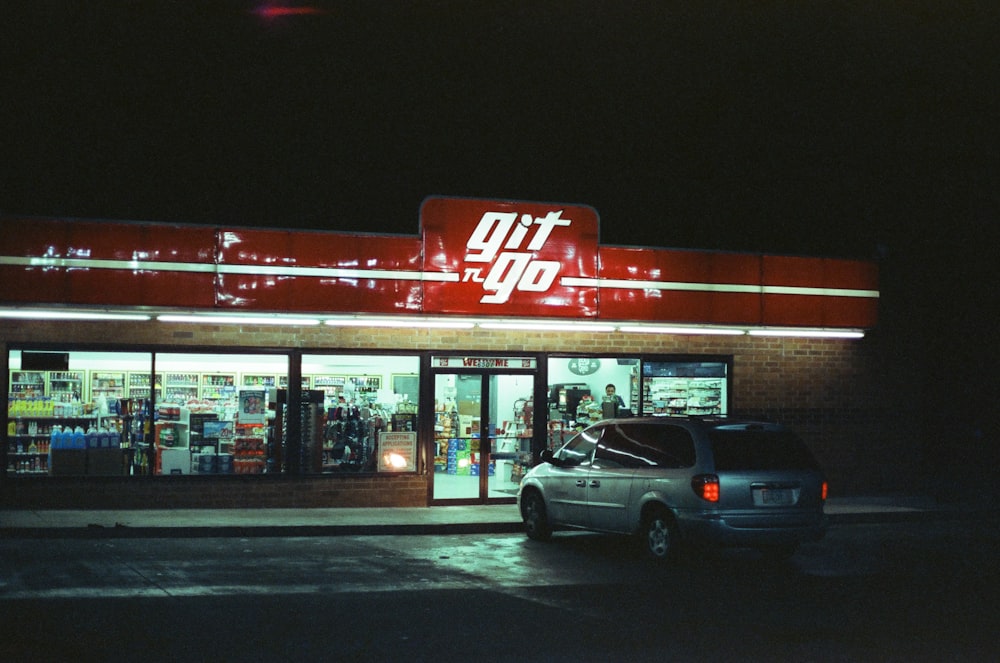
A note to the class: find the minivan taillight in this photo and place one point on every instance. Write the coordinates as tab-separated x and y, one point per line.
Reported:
823	490
706	486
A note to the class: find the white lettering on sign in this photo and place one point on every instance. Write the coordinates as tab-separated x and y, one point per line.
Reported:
499	239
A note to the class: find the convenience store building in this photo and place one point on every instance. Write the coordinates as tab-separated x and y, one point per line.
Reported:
193	366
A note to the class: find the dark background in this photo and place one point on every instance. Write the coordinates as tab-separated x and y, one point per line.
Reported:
847	129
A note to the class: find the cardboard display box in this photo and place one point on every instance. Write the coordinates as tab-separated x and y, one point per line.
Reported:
105	462
68	462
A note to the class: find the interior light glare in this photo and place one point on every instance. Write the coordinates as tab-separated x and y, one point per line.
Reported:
400	323
546	326
71	315
809	333
657	329
238	320
395	460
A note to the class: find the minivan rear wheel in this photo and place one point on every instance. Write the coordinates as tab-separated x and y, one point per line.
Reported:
659	534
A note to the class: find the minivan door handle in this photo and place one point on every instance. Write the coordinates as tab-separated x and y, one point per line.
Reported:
595	484
580	483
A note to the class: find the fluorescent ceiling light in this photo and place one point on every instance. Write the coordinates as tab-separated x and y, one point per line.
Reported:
662	329
400	323
25	314
547	326
239	320
809	333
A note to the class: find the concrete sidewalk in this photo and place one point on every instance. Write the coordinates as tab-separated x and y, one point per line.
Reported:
391	520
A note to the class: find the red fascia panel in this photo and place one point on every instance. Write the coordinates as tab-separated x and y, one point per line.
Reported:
677	265
103	240
280	248
78	270
812	311
340	272
700	269
829	310
819	273
686	307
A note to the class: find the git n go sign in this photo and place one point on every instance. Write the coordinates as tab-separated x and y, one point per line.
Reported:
495	258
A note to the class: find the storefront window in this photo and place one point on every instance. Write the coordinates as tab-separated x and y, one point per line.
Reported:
215	414
77	413
106	413
584	390
685	388
358	407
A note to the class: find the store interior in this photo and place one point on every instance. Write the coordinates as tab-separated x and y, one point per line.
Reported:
219	413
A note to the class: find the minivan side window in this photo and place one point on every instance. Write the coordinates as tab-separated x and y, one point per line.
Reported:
579	450
646	445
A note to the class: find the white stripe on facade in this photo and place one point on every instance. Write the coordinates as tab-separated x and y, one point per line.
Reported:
446	277
623	284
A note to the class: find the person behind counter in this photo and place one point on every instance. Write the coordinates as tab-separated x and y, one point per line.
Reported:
612	405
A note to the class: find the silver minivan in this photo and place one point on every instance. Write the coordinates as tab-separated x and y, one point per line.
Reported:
675	479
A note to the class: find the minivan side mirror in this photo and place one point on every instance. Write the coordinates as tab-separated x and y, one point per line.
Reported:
546	456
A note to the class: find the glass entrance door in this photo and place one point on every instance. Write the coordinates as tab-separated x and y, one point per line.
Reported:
482	435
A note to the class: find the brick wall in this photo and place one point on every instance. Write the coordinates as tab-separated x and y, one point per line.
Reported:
237	491
842	396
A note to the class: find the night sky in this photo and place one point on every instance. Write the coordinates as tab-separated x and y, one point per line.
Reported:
854	129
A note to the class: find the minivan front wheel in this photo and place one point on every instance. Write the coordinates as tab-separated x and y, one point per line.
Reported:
536	519
659	534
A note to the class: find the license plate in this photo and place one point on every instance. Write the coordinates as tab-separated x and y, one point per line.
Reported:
775	496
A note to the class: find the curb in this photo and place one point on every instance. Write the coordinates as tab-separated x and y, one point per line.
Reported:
239	531
93	531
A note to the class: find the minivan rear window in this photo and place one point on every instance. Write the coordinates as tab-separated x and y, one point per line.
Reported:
749	449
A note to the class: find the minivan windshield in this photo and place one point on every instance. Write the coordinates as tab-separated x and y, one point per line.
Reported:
751	449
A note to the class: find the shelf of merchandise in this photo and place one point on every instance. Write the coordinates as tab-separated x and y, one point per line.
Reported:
27	384
181	387
249	448
28	446
259	380
66	386
332	387
283	382
634	391
172	453
446	428
364	386
218	386
682	396
110	385
138	385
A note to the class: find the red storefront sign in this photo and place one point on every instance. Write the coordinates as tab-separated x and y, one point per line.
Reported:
493	259
497	257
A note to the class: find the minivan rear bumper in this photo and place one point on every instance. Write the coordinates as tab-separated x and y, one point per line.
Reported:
752	528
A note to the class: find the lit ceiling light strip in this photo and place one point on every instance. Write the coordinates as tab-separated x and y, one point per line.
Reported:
400	323
547	326
239	320
430	323
661	329
72	315
808	333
